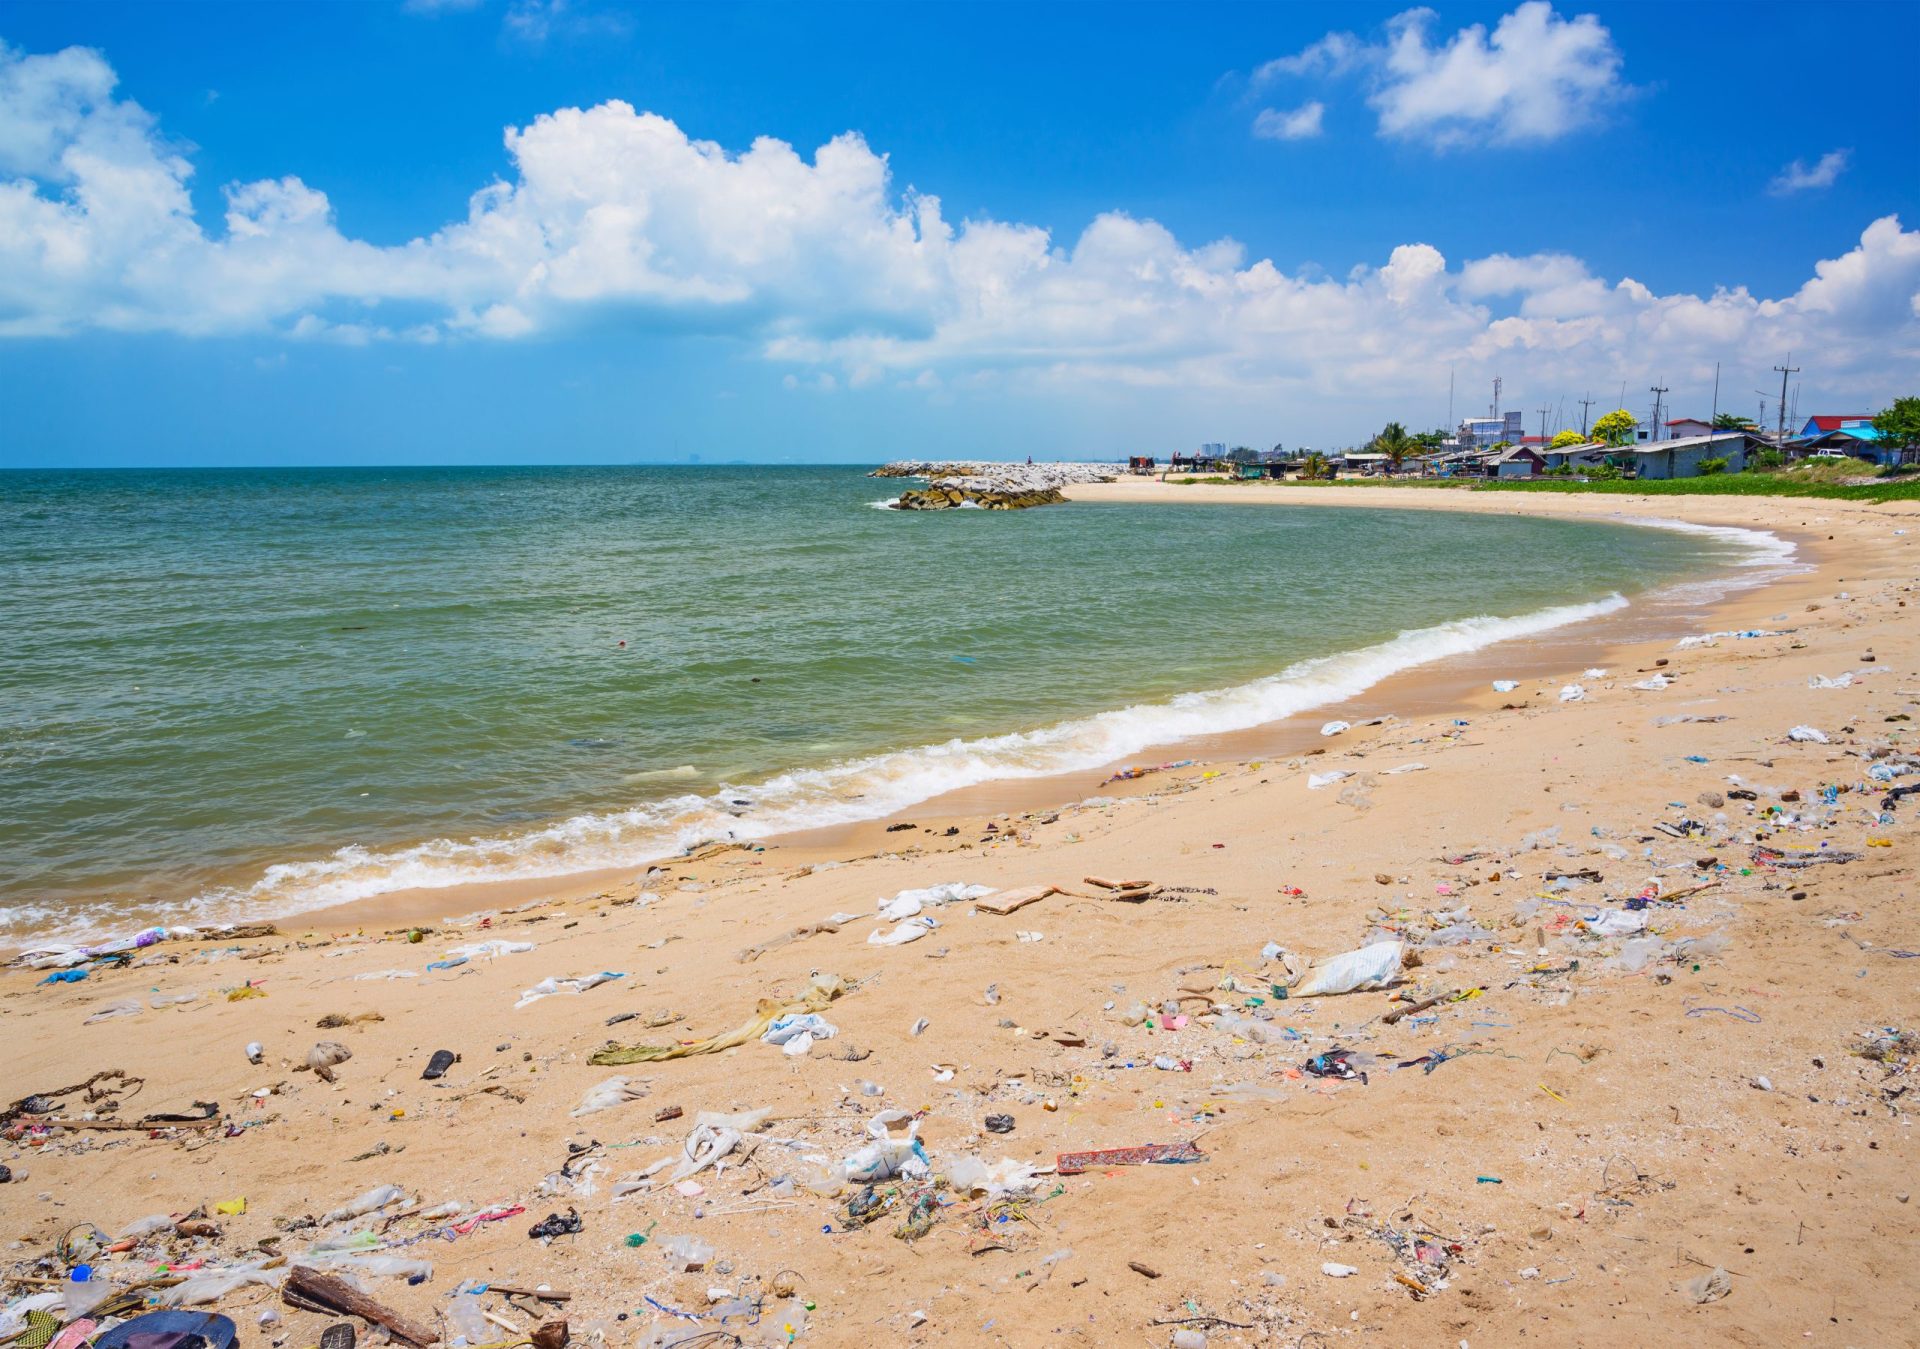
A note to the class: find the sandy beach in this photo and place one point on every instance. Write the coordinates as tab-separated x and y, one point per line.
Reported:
1646	1074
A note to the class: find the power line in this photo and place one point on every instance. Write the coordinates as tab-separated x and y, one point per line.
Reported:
1585	403
1659	391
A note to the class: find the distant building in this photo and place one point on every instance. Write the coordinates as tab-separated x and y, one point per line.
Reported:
1518	462
1681	428
1836	422
1857	441
1682	458
1480	433
1214	449
1590	454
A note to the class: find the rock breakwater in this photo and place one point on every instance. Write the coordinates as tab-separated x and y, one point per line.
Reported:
988	485
946	496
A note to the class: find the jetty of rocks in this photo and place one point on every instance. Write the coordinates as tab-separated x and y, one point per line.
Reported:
984	485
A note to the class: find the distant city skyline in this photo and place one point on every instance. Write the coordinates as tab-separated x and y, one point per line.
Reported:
566	231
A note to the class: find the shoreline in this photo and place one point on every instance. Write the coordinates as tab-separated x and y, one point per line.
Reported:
1445	684
1584	1106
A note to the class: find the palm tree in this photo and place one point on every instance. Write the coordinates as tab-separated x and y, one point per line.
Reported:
1728	421
1315	466
1394	442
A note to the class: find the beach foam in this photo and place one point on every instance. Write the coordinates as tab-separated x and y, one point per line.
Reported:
859	789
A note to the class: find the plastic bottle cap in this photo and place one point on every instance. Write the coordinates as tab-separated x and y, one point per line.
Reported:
82	1273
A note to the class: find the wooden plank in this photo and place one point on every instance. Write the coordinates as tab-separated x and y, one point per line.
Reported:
307	1287
1007	901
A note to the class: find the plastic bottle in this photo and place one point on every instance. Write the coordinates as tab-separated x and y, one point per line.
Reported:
465	1320
378	1197
82	1292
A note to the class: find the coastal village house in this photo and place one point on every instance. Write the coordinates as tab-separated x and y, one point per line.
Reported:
1682	458
1856	437
1591	454
1685	428
1518	461
1824	423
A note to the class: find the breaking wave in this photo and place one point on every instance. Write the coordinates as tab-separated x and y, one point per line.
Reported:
858	789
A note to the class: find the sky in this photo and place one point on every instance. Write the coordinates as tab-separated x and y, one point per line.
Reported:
571	231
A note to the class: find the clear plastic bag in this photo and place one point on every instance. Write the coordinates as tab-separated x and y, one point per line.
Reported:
213	1284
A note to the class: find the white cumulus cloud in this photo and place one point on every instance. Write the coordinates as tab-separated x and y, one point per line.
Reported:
1302	123
834	273
1535	77
1799	177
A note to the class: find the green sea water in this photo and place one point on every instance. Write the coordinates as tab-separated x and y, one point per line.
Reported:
238	693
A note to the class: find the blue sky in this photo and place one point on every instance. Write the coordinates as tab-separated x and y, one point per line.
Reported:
244	234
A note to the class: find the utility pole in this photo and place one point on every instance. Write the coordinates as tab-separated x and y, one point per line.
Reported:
1543	424
1585	403
1496	397
1450	425
1783	371
1716	399
1658	391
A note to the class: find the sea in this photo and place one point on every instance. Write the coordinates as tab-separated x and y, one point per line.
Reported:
229	695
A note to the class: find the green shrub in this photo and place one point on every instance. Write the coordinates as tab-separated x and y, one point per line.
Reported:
1709	467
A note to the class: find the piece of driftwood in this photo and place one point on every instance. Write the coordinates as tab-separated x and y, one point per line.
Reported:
1133	896
311	1290
1408	1009
1105	884
143	1125
540	1294
1006	901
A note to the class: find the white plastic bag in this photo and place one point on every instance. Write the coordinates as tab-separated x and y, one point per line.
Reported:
565	983
377	1198
614	1091
1004	1178
1616	922
911	930
1373	966
492	950
888	1155
810	1025
705	1146
910	902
